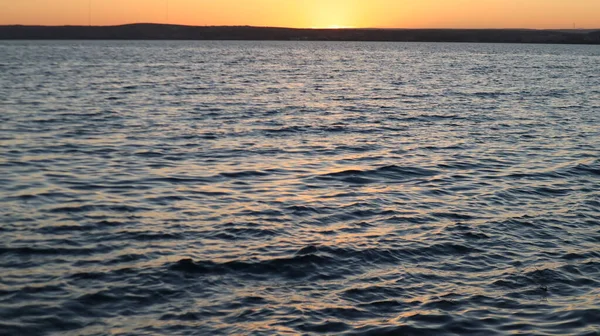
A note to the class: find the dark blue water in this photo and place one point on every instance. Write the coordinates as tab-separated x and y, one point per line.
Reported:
254	188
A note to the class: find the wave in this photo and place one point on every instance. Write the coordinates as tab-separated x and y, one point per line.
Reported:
391	173
323	261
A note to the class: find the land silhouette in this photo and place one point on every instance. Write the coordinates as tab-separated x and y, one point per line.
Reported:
146	31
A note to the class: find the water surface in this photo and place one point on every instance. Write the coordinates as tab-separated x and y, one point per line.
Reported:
208	188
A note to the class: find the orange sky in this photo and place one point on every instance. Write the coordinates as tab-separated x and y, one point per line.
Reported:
311	13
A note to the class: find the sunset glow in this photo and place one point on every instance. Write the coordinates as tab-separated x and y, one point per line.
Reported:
309	13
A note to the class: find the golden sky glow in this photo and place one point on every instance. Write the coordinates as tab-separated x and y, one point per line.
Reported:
310	13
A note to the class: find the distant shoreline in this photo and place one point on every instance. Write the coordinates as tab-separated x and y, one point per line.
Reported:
179	32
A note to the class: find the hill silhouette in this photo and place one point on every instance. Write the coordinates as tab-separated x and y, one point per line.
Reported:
179	32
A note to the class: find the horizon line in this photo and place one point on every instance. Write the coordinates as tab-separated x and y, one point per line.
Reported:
289	28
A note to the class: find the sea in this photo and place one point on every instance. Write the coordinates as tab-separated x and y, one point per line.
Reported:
299	188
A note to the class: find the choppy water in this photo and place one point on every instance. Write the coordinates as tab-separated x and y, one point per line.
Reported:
206	188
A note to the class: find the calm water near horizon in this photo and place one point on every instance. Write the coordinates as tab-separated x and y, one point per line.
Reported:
256	188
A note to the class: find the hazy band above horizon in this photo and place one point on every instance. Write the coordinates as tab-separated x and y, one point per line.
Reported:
553	14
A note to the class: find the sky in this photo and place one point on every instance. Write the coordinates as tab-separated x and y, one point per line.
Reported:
540	14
